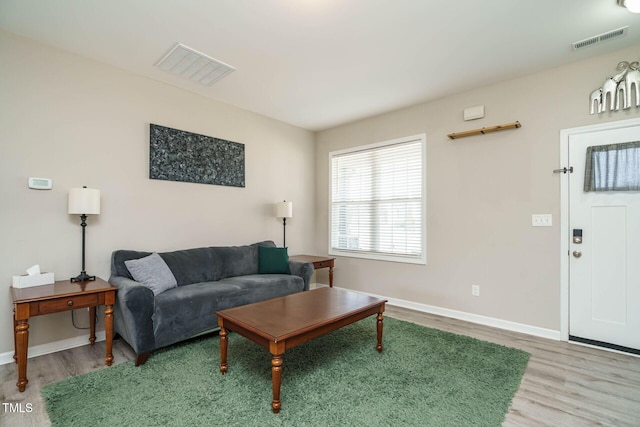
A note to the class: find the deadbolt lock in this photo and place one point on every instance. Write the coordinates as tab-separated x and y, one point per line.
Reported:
577	236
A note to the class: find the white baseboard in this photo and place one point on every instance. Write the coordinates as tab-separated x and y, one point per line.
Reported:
469	317
52	347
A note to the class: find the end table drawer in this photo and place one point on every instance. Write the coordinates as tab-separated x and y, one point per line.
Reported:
322	264
70	303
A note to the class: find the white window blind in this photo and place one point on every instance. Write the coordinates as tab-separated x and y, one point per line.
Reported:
377	206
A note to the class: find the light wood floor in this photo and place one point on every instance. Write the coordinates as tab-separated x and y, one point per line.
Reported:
564	384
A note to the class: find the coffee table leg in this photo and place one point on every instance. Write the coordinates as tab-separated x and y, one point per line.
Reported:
379	327
223	350
276	379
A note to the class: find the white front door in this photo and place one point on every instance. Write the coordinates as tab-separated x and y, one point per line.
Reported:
604	269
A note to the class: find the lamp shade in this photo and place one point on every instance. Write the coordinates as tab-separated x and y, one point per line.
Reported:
284	210
84	201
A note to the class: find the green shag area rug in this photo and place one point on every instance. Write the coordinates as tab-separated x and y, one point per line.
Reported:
423	377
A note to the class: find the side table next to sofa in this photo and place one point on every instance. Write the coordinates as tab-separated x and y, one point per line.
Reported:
60	296
318	263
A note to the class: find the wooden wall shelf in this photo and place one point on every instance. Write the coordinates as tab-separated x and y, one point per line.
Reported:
482	131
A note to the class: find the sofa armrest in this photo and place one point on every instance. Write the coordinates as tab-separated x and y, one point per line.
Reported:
133	313
302	269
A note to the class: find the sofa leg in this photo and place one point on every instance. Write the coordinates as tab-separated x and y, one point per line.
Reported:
142	359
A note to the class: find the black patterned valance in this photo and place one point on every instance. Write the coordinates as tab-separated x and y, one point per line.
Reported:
177	155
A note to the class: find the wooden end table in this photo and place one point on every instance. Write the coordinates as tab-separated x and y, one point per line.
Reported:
281	323
318	262
59	296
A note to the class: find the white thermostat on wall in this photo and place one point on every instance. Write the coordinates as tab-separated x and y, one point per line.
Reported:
40	183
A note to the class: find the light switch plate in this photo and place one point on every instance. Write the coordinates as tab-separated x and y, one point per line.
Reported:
541	220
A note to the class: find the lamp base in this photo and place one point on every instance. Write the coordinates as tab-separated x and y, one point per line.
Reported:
83	277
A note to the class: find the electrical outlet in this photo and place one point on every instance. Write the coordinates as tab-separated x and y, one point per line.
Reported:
541	220
475	290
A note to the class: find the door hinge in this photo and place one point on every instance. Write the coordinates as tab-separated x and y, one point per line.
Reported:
564	170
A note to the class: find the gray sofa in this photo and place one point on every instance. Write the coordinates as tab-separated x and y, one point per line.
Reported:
208	279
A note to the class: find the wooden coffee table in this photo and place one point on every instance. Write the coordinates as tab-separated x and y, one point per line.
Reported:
281	323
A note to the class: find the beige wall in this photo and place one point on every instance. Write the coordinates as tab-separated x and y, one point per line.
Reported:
80	122
481	192
83	123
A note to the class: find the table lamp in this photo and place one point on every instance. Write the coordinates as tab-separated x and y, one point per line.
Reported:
84	201
284	210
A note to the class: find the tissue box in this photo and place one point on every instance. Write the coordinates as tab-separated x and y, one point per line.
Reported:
26	280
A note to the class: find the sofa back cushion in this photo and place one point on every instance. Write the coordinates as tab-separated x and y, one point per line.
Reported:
188	266
199	264
193	265
236	260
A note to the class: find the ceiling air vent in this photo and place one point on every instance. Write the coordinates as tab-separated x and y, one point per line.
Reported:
600	38
191	64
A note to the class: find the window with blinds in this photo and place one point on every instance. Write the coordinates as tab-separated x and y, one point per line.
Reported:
377	201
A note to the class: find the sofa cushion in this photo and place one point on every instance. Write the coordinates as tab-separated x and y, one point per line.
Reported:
199	264
152	272
192	265
273	261
189	310
235	260
260	287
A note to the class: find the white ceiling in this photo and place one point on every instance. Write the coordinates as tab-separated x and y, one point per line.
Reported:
321	63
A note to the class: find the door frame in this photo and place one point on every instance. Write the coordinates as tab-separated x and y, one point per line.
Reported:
565	233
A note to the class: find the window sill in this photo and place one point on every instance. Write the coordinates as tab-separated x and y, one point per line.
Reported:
379	257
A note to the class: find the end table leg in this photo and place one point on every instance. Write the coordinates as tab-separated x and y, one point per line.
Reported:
276	379
379	328
22	344
331	275
92	324
15	329
108	330
223	350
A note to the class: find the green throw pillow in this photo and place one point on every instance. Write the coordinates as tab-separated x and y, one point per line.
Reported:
273	260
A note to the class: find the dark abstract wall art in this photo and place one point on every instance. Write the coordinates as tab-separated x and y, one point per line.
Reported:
177	155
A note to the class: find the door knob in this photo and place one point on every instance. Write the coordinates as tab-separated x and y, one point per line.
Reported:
577	254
